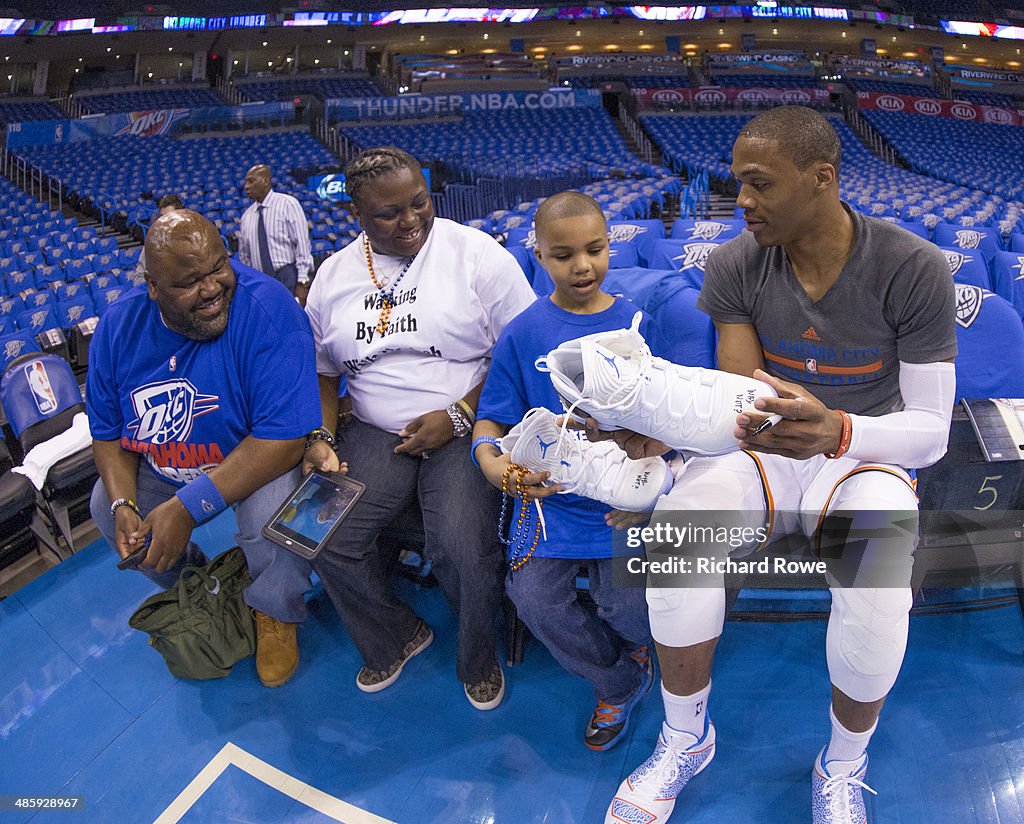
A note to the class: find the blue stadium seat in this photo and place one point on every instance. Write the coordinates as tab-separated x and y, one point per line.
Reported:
38	320
689	258
968	268
70	290
716	231
1008	279
990	339
622	256
15	345
986	241
40	298
70	312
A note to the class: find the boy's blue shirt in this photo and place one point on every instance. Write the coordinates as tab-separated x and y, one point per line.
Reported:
575	526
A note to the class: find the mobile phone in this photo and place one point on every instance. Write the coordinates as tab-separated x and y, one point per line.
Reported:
136	558
307	519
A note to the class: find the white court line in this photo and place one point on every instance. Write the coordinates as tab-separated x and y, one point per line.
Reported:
271	776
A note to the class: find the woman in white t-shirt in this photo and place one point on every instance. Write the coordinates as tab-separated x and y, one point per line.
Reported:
409	313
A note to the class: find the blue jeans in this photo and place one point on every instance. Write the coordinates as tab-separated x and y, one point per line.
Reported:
460	525
280	579
594	646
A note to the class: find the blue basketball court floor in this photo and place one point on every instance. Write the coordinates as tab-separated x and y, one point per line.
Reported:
87	709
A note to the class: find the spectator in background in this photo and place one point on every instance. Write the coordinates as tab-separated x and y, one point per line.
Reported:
168	203
273	235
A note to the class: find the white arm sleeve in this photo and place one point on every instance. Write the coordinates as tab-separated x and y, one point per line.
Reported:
917	436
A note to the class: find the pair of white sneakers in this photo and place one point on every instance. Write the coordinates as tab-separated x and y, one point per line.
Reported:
613	378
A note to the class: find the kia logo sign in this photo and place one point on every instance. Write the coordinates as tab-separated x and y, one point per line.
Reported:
889	103
1000	116
710	96
668	97
927	107
795	97
963	110
753	96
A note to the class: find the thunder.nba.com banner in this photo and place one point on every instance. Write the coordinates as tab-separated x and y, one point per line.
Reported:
437	105
934	107
802	550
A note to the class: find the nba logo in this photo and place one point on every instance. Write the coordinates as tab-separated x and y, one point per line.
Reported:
42	392
811	365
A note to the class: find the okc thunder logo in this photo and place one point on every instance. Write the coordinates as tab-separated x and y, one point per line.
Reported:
707	229
968	239
623	233
38	319
694	254
1020	268
13	348
165	411
75	313
514	222
968	304
955	260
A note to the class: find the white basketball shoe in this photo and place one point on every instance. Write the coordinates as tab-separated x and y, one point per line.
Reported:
649	795
614	378
597	470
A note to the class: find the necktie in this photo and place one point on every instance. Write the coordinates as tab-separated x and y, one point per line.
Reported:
261	230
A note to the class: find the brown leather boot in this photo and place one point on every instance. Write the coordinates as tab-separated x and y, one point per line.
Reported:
277	651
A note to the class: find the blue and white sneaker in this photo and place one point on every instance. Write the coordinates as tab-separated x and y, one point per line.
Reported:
610	722
649	794
596	470
837	790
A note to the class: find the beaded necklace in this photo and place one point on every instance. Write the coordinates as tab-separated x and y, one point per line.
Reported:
517	545
387	297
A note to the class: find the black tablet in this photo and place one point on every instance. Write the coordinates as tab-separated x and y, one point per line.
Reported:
304	523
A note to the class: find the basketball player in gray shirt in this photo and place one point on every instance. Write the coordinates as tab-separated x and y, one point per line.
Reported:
852	321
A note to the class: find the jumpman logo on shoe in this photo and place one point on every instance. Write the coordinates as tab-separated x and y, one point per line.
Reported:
544	447
611	363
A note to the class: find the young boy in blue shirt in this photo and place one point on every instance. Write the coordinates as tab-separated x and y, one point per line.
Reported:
609	649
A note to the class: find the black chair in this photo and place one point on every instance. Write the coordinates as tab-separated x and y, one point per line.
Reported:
17	511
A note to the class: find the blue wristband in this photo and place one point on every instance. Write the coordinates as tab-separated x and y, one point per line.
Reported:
477	442
202	499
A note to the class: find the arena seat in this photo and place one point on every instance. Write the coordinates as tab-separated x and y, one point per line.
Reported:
688	258
968	268
1008	278
41	397
17	508
990	340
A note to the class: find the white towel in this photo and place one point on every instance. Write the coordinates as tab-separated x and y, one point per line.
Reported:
40	458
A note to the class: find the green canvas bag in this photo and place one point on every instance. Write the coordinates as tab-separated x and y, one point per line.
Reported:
201	625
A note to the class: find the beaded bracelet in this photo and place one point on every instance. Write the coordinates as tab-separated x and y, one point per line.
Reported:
460	424
128	502
844	438
320	434
517	558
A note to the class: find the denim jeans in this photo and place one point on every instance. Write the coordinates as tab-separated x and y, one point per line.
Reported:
280	579
460	524
588	644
